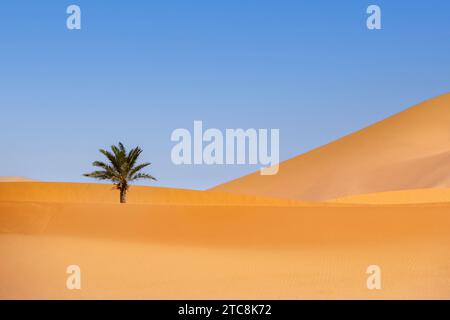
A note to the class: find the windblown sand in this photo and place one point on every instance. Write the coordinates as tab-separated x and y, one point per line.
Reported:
398	197
214	251
386	202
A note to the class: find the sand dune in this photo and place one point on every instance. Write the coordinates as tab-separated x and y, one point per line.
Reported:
255	237
228	226
410	150
145	250
398	197
100	193
14	179
148	251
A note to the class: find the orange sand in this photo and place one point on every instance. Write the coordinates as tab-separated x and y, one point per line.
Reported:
142	250
106	193
398	197
14	179
182	244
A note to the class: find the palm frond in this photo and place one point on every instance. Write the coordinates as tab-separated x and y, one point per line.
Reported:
118	153
101	165
122	167
138	168
142	176
122	148
102	175
111	158
133	155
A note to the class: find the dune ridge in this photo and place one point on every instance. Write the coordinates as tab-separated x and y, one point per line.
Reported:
417	196
410	150
15	179
253	238
106	193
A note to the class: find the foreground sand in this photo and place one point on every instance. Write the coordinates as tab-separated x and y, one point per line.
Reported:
144	250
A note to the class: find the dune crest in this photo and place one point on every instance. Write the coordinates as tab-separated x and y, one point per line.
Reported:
410	150
15	179
106	193
417	196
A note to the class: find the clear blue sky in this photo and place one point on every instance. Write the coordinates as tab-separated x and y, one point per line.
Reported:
137	70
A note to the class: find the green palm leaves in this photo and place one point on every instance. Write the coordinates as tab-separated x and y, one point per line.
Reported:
121	169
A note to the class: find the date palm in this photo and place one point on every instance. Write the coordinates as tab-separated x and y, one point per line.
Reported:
121	169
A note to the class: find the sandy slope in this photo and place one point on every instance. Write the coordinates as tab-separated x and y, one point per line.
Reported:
169	243
191	251
398	197
410	150
94	192
15	179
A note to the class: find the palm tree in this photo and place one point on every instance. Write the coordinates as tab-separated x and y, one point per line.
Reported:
122	168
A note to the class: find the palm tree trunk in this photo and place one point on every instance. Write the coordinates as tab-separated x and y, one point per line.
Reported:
123	195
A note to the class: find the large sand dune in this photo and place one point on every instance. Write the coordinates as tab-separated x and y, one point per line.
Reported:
410	150
254	237
145	250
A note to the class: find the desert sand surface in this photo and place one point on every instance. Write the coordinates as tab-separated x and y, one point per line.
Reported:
172	251
15	179
410	150
398	197
106	193
381	196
